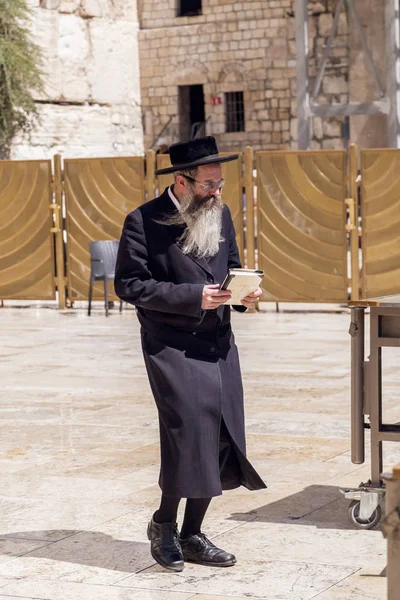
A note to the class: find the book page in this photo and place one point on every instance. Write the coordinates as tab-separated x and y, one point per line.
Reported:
241	286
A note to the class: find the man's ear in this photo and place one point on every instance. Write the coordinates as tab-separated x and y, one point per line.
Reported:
180	181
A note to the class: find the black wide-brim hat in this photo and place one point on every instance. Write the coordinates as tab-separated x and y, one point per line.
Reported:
188	155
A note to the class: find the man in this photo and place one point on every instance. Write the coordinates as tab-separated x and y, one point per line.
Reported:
174	253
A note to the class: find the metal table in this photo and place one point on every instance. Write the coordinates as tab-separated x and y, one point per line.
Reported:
366	401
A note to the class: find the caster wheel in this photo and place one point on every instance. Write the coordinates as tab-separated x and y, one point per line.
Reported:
370	523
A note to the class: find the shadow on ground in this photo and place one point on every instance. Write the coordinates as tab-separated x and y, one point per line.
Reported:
321	506
87	548
318	506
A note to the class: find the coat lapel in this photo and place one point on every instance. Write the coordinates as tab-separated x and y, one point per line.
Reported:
201	262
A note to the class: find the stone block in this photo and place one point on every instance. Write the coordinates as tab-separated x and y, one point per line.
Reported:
317	8
293	129
114	77
276	137
325	24
128	10
263	115
93	8
74	58
45	33
279	84
73	44
343	25
267	125
292	47
332	128
317	128
50	4
68	6
333	144
291	29
334	85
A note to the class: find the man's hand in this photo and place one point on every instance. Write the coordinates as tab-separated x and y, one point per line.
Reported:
251	299
214	297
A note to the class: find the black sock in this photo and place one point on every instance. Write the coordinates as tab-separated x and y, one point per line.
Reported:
195	511
168	510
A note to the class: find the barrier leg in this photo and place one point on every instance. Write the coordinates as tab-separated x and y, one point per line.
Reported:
357	385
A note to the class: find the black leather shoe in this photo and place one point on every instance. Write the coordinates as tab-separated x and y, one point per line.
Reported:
165	546
199	549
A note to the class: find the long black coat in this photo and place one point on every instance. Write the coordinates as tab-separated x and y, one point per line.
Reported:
190	354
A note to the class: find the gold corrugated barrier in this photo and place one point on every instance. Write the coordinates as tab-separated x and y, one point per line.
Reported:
99	193
26	242
380	209
301	225
301	236
232	193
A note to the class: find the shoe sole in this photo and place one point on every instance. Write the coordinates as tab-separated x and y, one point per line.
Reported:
210	564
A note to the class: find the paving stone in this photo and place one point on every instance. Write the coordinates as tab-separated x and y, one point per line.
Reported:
79	447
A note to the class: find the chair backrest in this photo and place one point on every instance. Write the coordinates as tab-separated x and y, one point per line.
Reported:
105	251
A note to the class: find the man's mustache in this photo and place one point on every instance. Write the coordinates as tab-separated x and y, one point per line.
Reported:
199	202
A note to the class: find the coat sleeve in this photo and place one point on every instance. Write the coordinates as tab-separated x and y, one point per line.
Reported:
134	282
234	258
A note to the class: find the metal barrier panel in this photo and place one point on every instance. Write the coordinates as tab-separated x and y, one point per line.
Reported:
232	193
163	181
301	218
380	210
26	241
99	193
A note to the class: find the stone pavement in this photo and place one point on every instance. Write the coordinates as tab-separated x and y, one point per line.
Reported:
79	464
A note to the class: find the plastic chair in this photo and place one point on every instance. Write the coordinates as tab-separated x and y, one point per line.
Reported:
103	256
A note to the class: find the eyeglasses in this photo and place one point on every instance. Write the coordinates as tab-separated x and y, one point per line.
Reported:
209	186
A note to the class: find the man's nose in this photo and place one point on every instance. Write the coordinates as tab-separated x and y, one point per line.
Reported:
216	192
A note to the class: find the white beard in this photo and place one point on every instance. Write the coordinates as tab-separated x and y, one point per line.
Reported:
202	235
203	220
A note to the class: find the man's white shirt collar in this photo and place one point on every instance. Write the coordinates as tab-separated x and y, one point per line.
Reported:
174	200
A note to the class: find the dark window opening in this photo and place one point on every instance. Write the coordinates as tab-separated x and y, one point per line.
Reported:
234	107
189	8
191	111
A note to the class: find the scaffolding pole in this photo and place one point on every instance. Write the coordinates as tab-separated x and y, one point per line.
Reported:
302	75
388	103
392	22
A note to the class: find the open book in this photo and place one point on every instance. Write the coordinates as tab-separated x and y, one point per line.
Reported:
241	282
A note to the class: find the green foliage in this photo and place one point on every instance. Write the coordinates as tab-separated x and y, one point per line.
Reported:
20	72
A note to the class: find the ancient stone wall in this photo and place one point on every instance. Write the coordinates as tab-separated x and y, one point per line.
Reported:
97	103
246	46
91	105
